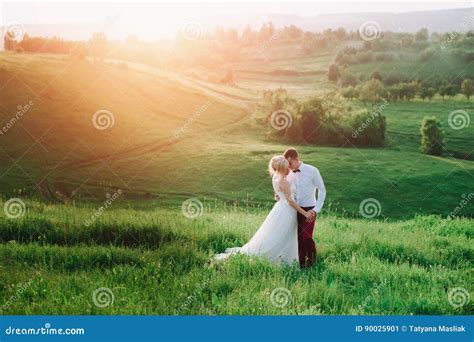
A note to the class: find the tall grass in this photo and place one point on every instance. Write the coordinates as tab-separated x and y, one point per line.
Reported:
156	261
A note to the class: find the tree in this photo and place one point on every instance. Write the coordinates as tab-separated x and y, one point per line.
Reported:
229	76
427	93
372	91
348	79
98	44
350	93
426	54
450	90
248	36
266	32
376	75
9	41
432	136
408	91
312	117
467	87
334	73
422	35
232	36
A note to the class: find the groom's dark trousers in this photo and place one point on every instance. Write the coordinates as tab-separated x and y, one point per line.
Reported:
306	248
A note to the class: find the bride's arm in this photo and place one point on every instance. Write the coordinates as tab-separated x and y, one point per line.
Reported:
285	187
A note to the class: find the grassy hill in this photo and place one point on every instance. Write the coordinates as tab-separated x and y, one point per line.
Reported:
154	261
174	137
177	136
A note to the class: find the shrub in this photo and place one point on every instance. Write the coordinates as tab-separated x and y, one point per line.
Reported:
372	91
364	57
432	136
348	79
368	129
350	93
467	88
333	73
427	93
426	54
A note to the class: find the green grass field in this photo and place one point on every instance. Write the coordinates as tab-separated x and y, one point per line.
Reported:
177	137
154	261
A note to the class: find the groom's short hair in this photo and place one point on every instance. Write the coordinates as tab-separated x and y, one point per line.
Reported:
291	153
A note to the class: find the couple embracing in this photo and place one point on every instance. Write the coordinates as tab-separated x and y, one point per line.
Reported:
286	235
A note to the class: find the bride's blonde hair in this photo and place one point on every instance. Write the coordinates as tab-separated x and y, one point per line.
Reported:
277	164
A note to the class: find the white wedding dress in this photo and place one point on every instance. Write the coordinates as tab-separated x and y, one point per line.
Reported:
276	239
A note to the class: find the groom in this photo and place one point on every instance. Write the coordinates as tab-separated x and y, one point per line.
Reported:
307	179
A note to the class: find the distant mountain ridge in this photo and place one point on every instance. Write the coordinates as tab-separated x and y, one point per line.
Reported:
434	21
447	20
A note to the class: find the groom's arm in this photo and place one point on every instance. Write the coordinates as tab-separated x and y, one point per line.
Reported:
319	184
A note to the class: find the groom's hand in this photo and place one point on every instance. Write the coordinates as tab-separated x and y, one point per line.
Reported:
312	216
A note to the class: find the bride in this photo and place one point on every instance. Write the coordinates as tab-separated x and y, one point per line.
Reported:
276	239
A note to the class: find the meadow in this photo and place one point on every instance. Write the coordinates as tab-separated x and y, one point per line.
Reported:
155	261
177	137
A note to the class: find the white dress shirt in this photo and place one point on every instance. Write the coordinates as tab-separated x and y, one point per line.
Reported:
307	181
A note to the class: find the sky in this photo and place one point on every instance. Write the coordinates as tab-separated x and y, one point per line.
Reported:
164	19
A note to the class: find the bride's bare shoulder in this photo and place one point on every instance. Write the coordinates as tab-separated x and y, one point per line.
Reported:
284	183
